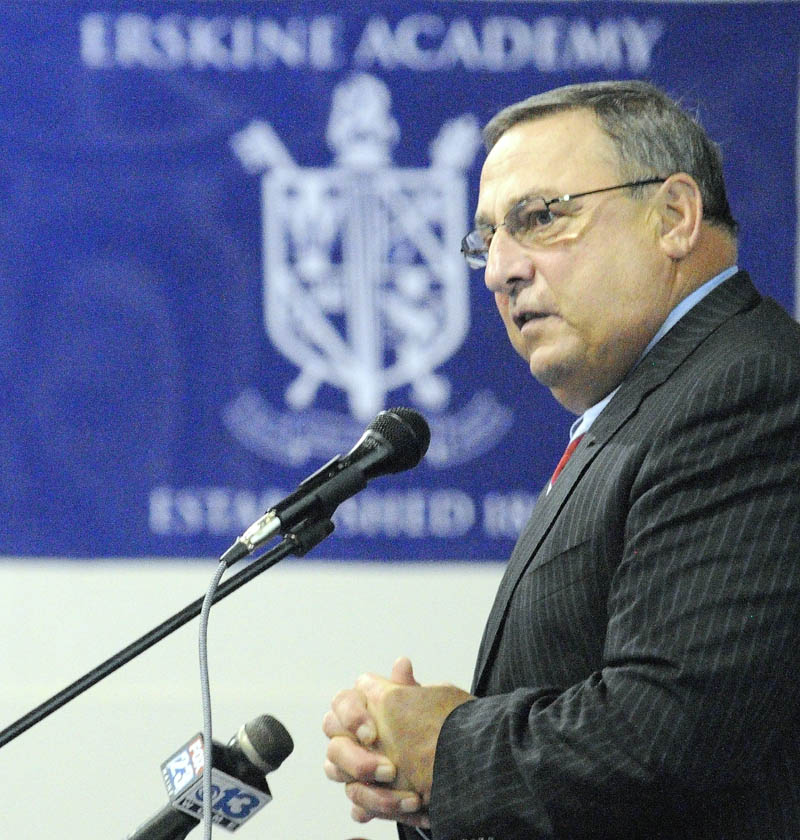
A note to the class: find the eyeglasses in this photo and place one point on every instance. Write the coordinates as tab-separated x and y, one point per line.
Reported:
530	221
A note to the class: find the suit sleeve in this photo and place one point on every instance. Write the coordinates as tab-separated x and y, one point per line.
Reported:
700	657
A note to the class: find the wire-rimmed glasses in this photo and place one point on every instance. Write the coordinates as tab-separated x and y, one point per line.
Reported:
529	221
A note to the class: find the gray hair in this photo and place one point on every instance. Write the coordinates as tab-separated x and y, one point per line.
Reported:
653	135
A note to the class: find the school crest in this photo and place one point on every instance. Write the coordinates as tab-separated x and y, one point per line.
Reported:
364	288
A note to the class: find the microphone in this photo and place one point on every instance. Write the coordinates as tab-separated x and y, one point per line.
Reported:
394	441
238	777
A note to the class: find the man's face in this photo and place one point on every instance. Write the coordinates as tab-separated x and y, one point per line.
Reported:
581	305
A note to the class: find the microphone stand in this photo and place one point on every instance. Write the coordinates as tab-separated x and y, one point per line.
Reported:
298	541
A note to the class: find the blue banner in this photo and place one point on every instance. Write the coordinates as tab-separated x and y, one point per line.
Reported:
231	236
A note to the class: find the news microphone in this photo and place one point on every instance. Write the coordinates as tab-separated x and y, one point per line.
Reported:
237	775
394	441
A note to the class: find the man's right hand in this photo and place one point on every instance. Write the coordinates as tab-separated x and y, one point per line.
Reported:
354	758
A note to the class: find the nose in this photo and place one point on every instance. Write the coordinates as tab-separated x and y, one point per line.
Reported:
508	264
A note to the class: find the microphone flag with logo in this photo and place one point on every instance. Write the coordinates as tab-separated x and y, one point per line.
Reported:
238	780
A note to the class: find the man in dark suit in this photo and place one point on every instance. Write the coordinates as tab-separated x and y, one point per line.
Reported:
637	675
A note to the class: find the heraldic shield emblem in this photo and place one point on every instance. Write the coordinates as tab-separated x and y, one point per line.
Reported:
365	288
362	291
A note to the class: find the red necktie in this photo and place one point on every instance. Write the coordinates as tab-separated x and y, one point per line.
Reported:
564	458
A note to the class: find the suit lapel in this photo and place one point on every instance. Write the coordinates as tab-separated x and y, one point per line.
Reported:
680	342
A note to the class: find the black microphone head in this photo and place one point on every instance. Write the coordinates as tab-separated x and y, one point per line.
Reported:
408	434
265	741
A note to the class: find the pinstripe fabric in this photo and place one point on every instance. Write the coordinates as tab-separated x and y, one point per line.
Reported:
638	670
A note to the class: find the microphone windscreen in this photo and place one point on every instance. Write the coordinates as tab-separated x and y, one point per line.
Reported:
408	432
266	742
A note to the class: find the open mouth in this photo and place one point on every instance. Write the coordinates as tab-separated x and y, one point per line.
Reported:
524	317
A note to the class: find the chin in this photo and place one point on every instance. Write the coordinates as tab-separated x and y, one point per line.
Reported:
550	378
550	372
560	380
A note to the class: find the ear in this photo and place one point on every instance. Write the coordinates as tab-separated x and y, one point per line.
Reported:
681	213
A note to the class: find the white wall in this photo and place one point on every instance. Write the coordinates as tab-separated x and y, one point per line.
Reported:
282	645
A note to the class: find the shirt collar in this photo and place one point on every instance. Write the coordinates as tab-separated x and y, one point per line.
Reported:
584	422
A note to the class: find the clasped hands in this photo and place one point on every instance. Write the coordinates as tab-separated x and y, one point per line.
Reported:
383	735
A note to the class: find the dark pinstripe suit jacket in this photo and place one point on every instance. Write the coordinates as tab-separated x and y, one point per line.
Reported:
639	671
